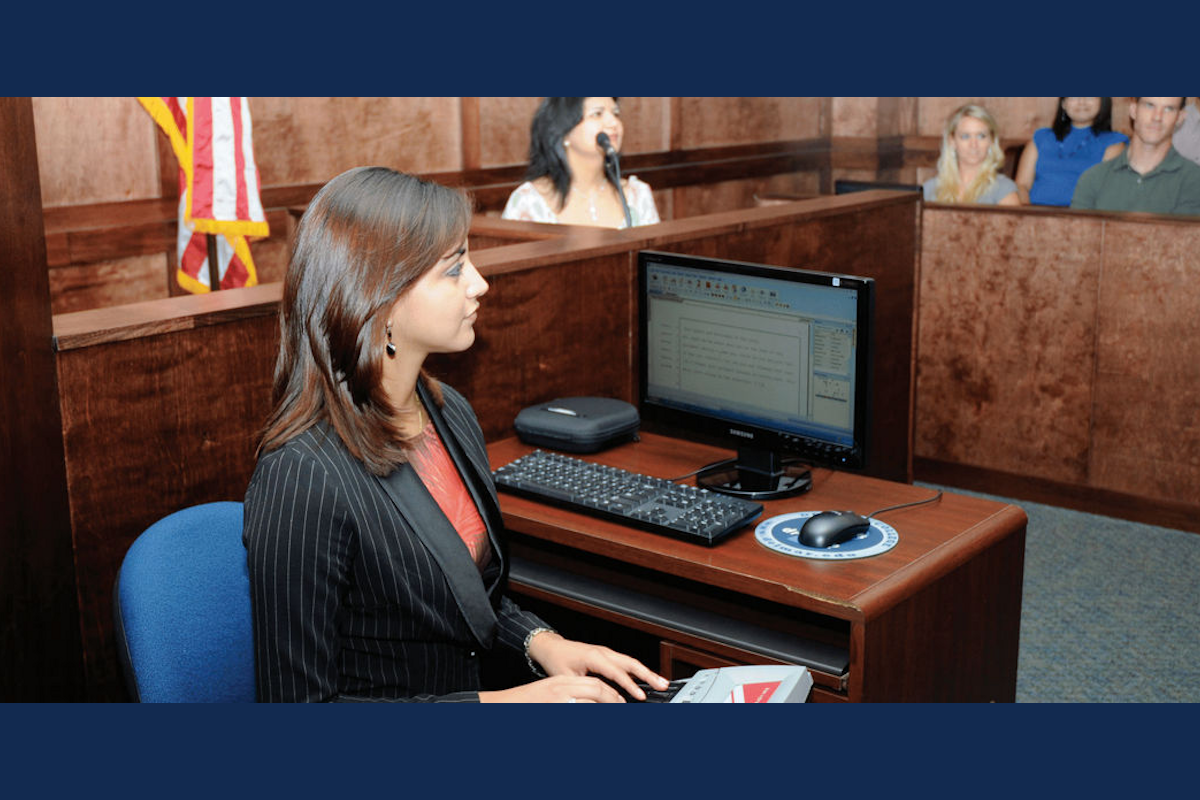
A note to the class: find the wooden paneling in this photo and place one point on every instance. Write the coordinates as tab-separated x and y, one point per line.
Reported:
1057	359
504	130
299	140
723	121
1004	379
39	636
1017	117
151	424
108	283
1146	428
95	150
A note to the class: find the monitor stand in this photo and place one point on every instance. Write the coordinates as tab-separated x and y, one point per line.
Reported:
756	475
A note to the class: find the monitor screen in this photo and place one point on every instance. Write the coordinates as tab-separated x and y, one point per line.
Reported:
774	362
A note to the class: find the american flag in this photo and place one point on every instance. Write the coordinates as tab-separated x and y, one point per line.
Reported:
218	186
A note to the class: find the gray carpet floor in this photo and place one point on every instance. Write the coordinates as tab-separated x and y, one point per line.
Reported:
1110	609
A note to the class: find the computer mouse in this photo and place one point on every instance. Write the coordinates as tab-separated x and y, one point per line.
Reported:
832	527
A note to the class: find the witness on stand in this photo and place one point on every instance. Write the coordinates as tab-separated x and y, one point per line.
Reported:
1052	161
970	162
373	532
572	179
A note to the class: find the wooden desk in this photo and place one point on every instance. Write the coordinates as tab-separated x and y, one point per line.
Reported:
936	618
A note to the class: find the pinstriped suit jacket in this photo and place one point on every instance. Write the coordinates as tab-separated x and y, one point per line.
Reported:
361	589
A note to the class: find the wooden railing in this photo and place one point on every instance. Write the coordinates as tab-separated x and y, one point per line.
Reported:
83	242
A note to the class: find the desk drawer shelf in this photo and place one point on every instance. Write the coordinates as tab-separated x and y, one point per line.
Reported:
679	609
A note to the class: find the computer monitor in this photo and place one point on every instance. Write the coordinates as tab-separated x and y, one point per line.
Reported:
774	362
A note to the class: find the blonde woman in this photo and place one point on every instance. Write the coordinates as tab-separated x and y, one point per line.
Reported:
969	166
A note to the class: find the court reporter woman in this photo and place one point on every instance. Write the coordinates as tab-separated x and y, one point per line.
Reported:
567	181
372	529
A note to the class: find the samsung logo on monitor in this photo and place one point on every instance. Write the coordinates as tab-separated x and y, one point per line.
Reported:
743	434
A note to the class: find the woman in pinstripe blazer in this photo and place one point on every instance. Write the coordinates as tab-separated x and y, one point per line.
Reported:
372	527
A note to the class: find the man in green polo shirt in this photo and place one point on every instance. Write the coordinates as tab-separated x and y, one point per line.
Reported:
1149	175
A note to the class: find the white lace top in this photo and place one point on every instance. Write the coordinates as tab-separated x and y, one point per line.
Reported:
526	203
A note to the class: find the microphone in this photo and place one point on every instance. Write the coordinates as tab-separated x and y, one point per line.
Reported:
612	166
606	145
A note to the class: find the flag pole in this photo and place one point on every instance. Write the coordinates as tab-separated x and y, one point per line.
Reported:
214	273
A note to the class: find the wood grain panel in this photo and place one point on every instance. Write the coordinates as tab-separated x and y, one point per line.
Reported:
854	116
39	638
504	130
108	283
647	123
718	121
688	201
897	115
978	652
1056	359
472	157
152	425
1017	117
1147	372
299	140
95	150
1004	378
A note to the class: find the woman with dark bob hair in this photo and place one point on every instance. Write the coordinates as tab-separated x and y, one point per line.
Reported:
372	526
567	181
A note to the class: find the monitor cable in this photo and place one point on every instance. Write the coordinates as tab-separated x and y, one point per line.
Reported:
933	499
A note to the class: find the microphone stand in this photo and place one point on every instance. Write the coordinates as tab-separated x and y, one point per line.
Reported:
612	166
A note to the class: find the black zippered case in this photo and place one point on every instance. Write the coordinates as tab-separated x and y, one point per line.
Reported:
578	424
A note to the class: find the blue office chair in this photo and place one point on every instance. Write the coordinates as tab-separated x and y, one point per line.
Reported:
181	607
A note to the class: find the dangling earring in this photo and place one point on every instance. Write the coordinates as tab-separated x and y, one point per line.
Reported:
391	348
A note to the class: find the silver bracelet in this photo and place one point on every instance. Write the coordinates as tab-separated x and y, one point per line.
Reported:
533	667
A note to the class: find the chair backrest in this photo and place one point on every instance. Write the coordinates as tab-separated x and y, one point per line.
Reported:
181	607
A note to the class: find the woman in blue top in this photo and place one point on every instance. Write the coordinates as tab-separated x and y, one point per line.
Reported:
1081	137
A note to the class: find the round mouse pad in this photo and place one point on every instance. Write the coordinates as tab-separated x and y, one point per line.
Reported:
782	534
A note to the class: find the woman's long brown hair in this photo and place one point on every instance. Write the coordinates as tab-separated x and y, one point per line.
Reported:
365	238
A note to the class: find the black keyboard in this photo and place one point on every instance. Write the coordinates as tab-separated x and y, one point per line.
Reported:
640	501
